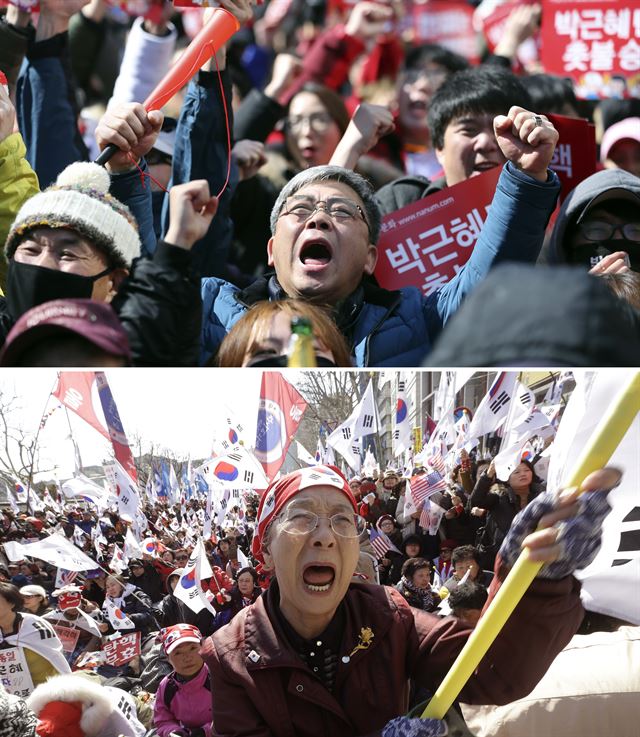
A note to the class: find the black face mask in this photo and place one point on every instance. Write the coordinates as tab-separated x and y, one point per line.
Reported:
29	285
590	254
282	361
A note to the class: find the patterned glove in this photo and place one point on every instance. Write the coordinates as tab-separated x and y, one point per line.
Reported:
579	536
406	727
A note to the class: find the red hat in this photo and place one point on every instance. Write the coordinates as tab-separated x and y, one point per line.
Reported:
60	719
94	321
279	492
171	637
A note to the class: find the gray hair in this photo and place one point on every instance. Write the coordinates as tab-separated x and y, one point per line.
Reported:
333	174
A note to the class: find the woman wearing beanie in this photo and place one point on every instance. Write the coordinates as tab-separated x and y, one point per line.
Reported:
76	241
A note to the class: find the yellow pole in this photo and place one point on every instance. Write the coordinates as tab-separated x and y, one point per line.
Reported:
596	453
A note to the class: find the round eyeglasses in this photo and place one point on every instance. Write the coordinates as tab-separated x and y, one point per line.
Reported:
318	122
302	522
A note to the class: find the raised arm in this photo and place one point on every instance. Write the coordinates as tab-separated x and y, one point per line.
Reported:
525	197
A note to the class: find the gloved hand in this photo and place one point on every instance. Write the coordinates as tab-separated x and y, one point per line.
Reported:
406	727
570	536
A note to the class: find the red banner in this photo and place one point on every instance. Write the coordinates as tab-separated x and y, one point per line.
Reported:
448	23
121	650
575	156
426	244
74	391
279	413
596	43
493	28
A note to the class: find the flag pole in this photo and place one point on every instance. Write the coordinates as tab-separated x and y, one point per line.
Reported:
595	454
35	443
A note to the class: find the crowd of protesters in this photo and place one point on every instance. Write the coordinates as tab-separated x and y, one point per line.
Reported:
164	688
308	103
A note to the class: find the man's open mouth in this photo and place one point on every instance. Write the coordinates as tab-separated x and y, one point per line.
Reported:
315	253
485	166
318	578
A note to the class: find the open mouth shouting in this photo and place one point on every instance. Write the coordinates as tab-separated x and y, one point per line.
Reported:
318	577
315	254
481	166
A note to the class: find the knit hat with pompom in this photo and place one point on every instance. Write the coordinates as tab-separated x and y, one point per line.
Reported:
80	200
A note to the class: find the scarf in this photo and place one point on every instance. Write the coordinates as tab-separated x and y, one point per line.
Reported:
425	595
38	635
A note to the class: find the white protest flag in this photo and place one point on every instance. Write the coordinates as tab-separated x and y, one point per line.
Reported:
401	426
65	578
35	502
370	465
174	486
118	562
206	525
117	618
242	559
126	490
494	406
79	536
611	583
342	440
436	512
239	469
304	455
81	486
188	588
465	578
59	551
132	547
366	414
220	505
554	393
329	456
320	452
12	502
20	491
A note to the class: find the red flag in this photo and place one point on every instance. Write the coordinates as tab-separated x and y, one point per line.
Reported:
279	414
74	391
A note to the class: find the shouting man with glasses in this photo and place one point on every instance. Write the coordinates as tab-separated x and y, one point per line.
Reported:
321	654
325	226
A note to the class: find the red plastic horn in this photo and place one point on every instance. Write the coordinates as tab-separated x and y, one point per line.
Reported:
214	33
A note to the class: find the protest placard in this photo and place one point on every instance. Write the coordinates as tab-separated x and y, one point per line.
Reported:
120	650
594	42
14	672
448	23
425	244
575	157
494	24
68	636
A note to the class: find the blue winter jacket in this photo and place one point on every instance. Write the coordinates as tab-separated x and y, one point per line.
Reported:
398	328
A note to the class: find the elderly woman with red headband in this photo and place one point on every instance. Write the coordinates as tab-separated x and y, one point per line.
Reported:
319	654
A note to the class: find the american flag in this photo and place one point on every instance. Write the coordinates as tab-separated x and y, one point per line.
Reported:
436	462
381	543
424	520
423	486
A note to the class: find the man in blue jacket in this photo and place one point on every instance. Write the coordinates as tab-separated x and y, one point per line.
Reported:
325	226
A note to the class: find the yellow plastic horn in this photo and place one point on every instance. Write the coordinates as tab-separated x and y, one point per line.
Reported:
596	453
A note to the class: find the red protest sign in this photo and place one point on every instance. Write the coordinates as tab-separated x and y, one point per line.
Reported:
495	23
121	650
596	43
68	636
426	244
448	23
575	156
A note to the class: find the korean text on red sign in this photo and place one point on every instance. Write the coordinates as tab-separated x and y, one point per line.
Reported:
597	44
427	243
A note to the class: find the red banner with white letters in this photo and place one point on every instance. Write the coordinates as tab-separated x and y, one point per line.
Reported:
594	42
121	650
426	244
575	157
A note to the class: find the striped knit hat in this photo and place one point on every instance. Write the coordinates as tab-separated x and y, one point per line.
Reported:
80	200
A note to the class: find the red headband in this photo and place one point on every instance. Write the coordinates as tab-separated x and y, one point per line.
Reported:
279	492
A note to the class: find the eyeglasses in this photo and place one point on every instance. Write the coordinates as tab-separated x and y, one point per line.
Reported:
318	122
597	230
302	522
336	208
